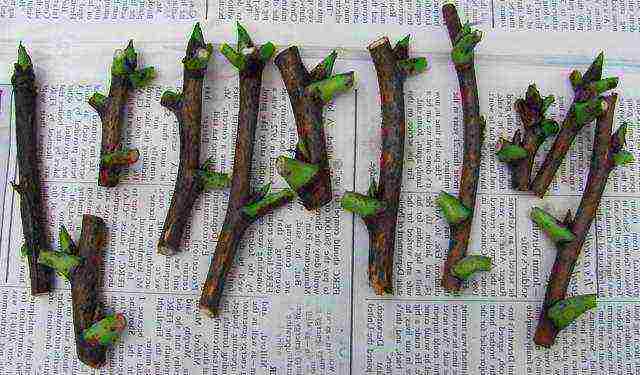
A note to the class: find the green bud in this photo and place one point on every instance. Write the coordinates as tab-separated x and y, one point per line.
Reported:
452	209
468	266
556	230
105	332
565	312
362	205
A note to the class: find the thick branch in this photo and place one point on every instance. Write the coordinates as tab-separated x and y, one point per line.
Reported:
602	163
463	39
125	76
308	94
31	208
82	266
586	107
192	178
379	209
244	207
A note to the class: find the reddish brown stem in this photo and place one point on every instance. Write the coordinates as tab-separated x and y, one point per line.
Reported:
585	90
307	109
602	163
238	218
473	136
31	208
381	221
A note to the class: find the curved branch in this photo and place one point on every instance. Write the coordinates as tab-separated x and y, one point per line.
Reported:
308	94
463	41
125	76
192	177
244	206
379	210
31	208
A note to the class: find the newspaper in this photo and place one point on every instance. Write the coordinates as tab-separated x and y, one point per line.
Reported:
297	300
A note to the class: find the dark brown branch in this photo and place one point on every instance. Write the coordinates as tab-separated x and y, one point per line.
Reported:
607	154
193	178
31	208
245	206
125	76
308	94
95	331
586	107
379	209
463	41
520	152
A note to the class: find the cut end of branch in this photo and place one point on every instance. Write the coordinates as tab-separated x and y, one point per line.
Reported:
557	231
452	209
362	205
297	174
200	59
565	312
470	265
328	88
24	60
105	332
209	312
508	152
377	43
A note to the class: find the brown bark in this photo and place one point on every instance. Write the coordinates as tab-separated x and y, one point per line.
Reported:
190	182
31	208
473	137
584	91
381	222
307	110
86	289
238	218
602	163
